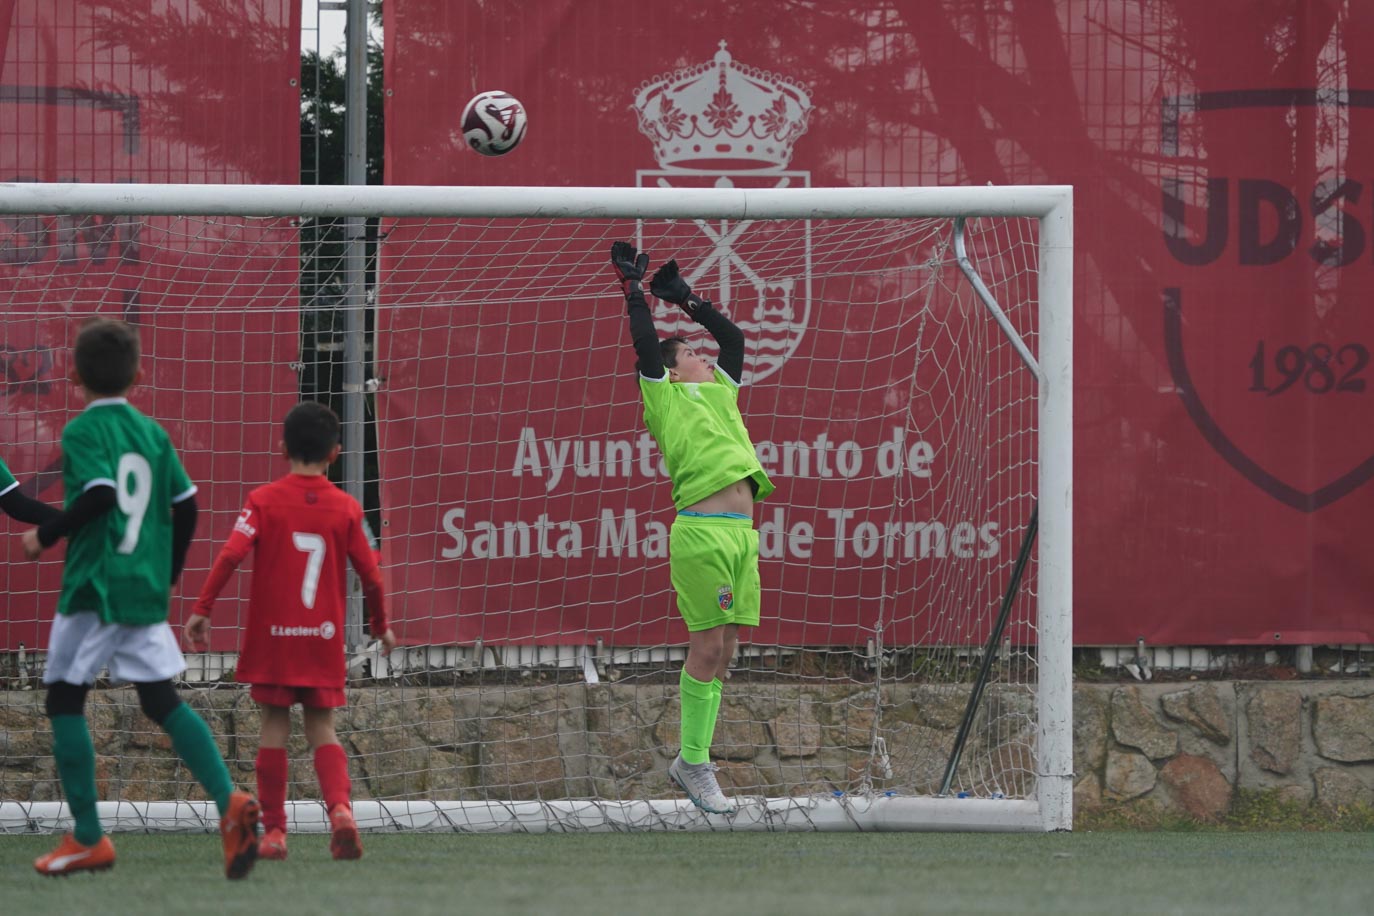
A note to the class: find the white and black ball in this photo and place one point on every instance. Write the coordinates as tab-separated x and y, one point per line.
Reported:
494	123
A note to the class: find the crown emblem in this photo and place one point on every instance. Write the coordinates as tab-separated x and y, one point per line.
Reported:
720	113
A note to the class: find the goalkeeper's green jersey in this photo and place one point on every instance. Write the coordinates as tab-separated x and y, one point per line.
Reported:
120	564
7	481
701	434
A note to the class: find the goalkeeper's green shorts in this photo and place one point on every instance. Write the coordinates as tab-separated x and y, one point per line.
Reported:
714	562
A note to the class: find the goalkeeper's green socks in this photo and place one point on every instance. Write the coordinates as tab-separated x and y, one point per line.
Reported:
699	705
717	687
194	744
75	757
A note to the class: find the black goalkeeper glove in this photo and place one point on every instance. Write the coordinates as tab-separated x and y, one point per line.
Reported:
668	285
629	269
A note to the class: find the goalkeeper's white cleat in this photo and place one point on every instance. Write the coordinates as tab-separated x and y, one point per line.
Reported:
699	782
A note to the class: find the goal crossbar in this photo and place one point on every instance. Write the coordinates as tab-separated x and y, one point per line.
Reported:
1046	202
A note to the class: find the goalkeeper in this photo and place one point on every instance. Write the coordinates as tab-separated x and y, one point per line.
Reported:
692	410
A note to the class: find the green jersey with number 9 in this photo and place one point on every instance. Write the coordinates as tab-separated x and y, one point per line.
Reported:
120	564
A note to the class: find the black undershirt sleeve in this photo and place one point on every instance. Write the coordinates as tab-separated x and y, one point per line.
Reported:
644	334
24	508
728	337
88	507
183	531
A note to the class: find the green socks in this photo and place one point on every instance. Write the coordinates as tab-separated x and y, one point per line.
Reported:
194	744
716	689
75	756
699	704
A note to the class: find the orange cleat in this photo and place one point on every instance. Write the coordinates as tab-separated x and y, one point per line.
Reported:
273	845
70	856
239	831
344	842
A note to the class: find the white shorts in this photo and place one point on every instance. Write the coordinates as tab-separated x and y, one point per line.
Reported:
81	647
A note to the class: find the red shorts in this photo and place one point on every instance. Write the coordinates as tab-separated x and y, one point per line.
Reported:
309	697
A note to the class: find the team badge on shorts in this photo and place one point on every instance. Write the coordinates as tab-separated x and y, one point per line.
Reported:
725	598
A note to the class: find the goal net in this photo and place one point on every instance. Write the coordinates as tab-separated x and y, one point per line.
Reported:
906	386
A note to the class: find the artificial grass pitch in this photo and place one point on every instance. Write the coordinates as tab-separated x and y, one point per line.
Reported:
703	873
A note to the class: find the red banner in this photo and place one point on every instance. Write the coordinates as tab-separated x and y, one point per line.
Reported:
526	502
1223	251
128	91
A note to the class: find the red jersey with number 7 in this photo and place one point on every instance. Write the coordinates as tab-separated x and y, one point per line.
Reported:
301	530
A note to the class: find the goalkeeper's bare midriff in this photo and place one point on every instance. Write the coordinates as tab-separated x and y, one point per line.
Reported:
737	497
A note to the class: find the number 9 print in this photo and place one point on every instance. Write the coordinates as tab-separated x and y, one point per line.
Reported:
133	489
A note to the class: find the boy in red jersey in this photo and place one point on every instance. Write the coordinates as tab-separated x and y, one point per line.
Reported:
302	529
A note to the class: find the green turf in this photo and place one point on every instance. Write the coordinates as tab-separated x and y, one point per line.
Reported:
723	875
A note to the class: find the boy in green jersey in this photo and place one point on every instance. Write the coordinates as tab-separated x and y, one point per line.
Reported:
17	504
692	410
129	517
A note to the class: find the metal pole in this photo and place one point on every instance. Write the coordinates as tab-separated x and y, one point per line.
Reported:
1054	494
975	695
355	173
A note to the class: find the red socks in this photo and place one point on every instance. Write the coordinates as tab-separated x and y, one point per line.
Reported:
331	765
271	767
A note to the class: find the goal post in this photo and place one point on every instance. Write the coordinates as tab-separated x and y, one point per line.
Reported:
908	386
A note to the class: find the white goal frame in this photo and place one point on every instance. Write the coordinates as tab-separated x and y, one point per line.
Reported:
1051	807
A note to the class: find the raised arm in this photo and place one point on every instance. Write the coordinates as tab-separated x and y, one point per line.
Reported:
629	268
728	336
668	285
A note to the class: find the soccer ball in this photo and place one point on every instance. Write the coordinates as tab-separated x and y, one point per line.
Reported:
494	123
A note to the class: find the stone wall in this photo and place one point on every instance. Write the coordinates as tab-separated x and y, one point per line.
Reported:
1188	747
1184	746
